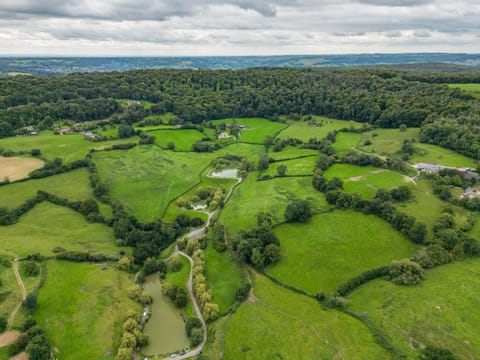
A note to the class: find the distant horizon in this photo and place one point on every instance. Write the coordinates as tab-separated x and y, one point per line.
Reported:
233	56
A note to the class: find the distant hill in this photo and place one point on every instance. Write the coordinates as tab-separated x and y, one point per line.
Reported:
65	65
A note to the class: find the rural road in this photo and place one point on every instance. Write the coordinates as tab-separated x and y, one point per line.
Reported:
22	290
196	234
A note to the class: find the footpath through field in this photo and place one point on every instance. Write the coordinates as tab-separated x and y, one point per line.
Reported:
23	291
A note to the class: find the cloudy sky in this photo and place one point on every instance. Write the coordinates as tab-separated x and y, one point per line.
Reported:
237	27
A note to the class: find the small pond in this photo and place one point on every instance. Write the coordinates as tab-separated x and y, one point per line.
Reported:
165	328
224	174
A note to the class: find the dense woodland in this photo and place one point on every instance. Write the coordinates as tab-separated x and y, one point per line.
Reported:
384	98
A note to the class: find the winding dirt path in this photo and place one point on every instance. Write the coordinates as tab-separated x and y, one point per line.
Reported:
196	234
23	291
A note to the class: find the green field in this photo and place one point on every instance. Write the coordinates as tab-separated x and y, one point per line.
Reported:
291	152
474	87
174	210
180	279
67	147
224	276
47	226
345	142
386	141
442	310
82	308
302	166
432	154
304	131
365	180
334	247
72	185
257	128
183	139
279	324
145	179
273	196
427	207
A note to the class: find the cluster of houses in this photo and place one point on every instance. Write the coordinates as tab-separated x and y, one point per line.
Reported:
30	130
225	135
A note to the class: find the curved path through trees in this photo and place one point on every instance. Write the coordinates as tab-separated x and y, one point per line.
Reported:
23	291
196	234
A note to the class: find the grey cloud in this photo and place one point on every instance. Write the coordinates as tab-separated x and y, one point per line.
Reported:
118	10
422	33
395	3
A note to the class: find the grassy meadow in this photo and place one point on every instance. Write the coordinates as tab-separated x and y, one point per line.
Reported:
474	87
47	226
82	313
224	276
345	142
183	139
302	166
279	324
272	196
333	247
441	311
433	154
257	128
145	179
365	180
304	130
386	142
67	147
73	185
291	152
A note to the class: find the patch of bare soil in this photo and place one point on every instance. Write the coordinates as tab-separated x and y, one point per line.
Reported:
8	337
251	296
21	356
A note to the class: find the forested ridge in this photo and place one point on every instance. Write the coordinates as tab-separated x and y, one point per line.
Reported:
385	98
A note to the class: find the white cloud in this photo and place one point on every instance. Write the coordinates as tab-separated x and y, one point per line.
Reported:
236	27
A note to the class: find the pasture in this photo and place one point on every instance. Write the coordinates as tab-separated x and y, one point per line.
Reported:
145	179
345	142
47	226
386	142
302	166
257	129
333	247
67	147
473	87
15	168
291	152
441	311
73	185
224	276
183	139
272	196
82	308
433	154
427	207
304	130
279	324
365	180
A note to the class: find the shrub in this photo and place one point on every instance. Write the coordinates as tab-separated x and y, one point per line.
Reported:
405	272
30	268
298	211
3	323
436	353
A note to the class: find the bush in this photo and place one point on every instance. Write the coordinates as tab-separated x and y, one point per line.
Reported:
405	272
3	323
298	211
30	301
30	268
436	353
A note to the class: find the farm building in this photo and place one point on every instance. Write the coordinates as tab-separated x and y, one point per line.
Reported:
428	168
223	135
